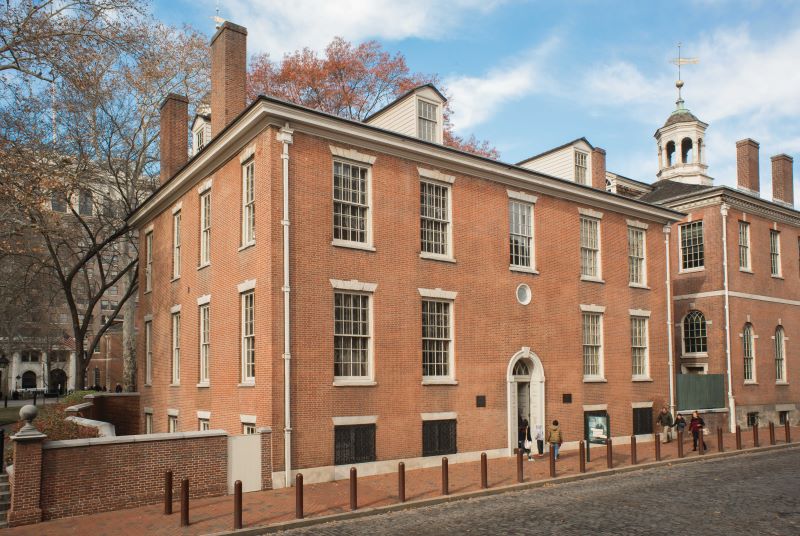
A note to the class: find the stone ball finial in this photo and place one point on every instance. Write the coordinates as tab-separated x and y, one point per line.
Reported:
28	413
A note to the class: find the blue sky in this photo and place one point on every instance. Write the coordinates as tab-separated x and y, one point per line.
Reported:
531	75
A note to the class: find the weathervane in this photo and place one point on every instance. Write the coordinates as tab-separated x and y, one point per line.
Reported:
217	19
681	61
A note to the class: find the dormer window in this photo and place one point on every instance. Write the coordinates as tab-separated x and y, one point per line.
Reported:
198	141
580	167
427	113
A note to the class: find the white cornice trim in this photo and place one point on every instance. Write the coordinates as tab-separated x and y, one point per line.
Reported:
590	213
204	186
204	299
357	286
522	196
203	414
637	224
148	229
148	318
595	407
355	419
439	416
177	207
437	293
734	294
641	404
148	410
436	175
173	412
352	154
175	309
247	154
593	308
639	312
244	286
247	419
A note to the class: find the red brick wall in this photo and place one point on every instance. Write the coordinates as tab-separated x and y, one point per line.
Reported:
123	410
228	68
174	139
25	483
108	362
77	480
747	164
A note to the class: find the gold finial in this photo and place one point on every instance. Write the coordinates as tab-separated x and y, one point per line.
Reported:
681	61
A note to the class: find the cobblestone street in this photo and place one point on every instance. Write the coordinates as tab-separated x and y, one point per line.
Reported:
754	494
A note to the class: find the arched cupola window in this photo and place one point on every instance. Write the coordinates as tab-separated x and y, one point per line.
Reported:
686	150
670	153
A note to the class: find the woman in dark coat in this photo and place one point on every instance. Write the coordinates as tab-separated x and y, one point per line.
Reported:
696	426
523	436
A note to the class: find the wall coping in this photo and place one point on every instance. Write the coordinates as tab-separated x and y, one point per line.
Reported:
104	429
98	395
78	407
141	438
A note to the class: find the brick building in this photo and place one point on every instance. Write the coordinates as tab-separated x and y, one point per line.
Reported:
373	296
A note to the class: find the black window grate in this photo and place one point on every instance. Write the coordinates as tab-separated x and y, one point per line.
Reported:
642	421
354	444
439	437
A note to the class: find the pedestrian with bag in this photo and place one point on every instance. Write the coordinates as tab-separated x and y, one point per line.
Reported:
525	442
554	438
665	421
696	426
540	440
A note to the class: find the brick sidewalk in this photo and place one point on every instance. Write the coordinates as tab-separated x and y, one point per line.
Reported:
268	507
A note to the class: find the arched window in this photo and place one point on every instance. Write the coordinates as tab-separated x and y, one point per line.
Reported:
748	351
686	150
780	351
28	380
694	333
521	368
699	149
670	153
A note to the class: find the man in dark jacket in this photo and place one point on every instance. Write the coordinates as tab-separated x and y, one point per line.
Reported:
665	421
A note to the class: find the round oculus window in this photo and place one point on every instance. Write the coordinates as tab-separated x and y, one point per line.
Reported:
524	294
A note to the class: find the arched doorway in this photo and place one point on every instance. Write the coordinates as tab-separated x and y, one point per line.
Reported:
28	380
58	381
525	378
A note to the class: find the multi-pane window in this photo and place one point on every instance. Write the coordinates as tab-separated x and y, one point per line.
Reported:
172	424
205	342
354	444
694	333
57	202
85	203
148	269
435	218
351	335
642	421
592	345
590	247
198	140
780	351
248	428
248	204
639	346
248	337
744	245
692	254
636	249
176	348
436	338
581	167
521	238
176	245
148	423
439	437
203	425
205	228
426	117
350	202
775	252
748	349
148	352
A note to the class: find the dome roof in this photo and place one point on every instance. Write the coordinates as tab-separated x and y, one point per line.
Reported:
680	116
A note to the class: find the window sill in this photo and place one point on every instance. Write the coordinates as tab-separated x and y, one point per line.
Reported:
591	279
174	278
695	356
750	382
523	269
246	246
691	270
439	381
204	384
148	291
781	382
175	384
746	270
247	384
776	276
351	245
206	265
436	257
638	285
641	379
148	384
594	380
354	383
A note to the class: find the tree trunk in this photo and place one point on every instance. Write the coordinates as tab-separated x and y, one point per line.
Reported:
80	367
129	342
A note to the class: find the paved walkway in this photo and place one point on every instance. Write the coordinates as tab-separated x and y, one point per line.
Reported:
267	507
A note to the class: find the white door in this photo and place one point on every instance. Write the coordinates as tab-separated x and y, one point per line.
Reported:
244	462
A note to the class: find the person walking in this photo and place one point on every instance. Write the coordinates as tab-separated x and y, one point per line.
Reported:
665	421
540	439
696	426
525	442
554	438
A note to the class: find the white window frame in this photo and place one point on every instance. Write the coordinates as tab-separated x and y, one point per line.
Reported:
744	247
634	232
148	270
199	141
176	348
427	121
172	424
681	228
581	168
204	314
598	251
357	244
749	340
450	377
356	290
645	374
588	312
148	352
706	323
775	253
448	234
249	428
176	244
203	424
247	378
780	355
524	232
205	228
248	203
148	423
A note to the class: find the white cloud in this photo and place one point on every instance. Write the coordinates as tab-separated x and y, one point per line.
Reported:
279	27
476	99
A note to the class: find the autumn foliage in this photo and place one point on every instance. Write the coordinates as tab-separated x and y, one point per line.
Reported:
349	81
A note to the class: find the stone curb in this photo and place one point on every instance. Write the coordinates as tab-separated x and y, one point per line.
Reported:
301	523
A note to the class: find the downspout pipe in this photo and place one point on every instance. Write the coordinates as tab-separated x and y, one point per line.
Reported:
670	331
285	136
731	403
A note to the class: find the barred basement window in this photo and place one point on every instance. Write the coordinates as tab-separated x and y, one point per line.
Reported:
749	353
248	337
248	204
439	437
435	218
590	247
744	245
636	270
580	167
176	245
205	228
435	338
426	125
351	335
775	253
692	253
642	421
592	345
694	333
350	202
639	346
780	350
354	444
521	223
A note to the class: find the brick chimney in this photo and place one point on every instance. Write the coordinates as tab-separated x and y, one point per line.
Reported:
782	177
174	136
747	165
228	75
599	168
